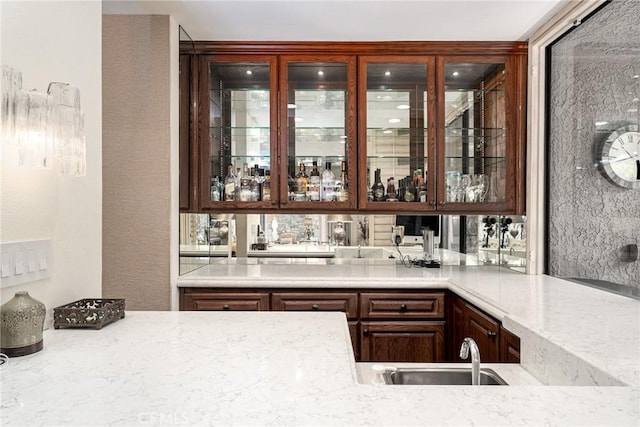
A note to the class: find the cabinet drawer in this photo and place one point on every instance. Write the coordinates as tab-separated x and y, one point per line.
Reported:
302	301
226	301
402	305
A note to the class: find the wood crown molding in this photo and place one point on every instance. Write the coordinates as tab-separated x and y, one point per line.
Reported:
357	48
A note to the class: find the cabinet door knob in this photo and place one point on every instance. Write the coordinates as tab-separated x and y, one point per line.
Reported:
274	202
403	307
365	332
284	202
226	307
315	306
442	202
491	334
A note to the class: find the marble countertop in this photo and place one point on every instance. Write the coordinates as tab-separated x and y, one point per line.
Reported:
570	334
259	368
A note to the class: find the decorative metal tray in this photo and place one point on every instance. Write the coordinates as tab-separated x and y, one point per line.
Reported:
88	313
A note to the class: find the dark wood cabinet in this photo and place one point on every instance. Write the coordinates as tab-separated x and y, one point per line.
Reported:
466	320
385	326
402	341
446	116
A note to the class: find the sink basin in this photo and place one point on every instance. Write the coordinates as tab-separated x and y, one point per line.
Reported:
448	376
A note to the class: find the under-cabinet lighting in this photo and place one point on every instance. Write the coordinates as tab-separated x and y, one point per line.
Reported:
387	73
394	120
249	72
320	73
387	131
402	107
455	74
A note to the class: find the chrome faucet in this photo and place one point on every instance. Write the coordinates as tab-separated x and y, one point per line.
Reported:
470	344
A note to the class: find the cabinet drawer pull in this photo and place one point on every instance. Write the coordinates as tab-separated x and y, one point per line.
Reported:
403	307
226	307
315	306
491	334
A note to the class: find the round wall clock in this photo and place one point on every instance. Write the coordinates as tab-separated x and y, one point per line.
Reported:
618	157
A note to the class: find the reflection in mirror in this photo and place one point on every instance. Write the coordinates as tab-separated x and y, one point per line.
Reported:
471	240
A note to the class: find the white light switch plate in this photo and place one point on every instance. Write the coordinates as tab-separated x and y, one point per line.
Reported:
24	262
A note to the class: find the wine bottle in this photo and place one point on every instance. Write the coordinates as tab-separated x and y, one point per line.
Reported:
314	183
377	188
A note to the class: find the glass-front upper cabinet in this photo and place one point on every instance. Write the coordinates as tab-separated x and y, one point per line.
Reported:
238	147
478	134
317	132
397	133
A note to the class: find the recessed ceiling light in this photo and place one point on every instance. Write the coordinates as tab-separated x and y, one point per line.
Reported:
387	73
249	72
394	120
291	106
455	74
402	107
387	131
298	119
601	123
320	73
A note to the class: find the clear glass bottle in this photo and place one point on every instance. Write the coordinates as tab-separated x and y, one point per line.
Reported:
377	188
230	185
216	189
302	185
266	186
369	188
391	190
328	184
254	185
245	184
342	186
314	183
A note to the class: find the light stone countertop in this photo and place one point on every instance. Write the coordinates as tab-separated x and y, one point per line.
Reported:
259	368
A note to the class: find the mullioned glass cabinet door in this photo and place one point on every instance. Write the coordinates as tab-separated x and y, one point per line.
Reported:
238	142
476	168
317	132
397	133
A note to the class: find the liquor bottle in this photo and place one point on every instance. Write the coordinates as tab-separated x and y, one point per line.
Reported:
409	190
302	185
342	186
230	185
328	184
254	185
245	184
377	188
266	186
391	190
314	183
369	189
421	188
216	189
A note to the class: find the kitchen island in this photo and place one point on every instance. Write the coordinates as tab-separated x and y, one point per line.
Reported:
276	368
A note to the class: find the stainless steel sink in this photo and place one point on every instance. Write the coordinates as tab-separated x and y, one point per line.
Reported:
437	376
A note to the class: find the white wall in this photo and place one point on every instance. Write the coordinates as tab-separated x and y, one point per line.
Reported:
56	41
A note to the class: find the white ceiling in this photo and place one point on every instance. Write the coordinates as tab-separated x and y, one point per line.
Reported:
348	20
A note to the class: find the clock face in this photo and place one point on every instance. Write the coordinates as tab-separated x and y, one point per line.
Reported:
620	157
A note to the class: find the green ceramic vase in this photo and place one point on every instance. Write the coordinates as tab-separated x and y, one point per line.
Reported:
21	324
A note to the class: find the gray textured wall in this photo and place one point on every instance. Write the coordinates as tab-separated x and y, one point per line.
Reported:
136	150
591	81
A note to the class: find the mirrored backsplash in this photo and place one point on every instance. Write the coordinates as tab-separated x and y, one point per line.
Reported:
491	240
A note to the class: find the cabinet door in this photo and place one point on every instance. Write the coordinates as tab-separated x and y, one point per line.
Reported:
238	121
509	347
214	301
317	124
456	327
478	133
309	301
485	331
397	133
402	341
